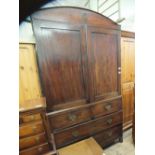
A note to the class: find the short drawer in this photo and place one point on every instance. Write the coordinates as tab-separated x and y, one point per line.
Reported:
69	118
38	150
31	129
106	107
78	132
32	141
109	136
30	118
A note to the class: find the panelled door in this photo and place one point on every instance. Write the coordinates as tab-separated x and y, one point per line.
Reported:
61	57
103	55
128	59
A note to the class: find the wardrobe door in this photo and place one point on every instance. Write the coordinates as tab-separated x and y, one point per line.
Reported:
104	57
128	104
128	59
60	49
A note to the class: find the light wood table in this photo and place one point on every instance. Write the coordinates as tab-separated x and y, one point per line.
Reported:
85	147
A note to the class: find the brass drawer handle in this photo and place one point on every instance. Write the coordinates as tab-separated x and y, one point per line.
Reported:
93	129
40	149
109	134
109	121
108	106
72	117
75	134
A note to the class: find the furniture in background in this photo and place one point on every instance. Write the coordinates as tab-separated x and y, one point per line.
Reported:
78	53
128	77
133	126
33	129
29	84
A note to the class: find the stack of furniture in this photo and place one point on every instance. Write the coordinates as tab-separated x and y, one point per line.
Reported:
78	54
34	138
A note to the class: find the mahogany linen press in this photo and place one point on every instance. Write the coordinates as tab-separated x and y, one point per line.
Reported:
78	53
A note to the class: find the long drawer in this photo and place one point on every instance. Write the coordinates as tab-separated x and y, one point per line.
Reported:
32	141
31	129
37	150
69	118
108	136
106	107
78	132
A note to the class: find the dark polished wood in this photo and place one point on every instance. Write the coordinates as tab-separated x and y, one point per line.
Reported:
67	119
68	66
78	53
102	108
103	49
61	71
109	136
78	132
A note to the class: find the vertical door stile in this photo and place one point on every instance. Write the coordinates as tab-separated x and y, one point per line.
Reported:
91	62
119	66
84	63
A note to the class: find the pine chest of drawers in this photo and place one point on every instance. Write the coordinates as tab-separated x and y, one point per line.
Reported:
33	139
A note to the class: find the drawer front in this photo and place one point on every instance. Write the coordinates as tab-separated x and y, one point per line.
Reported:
31	129
107	137
30	118
32	141
69	118
39	150
104	108
76	133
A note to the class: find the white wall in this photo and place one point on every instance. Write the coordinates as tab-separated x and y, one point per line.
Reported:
127	8
26	33
126	11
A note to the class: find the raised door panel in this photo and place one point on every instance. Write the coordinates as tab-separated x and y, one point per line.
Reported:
128	103
128	59
103	55
60	55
